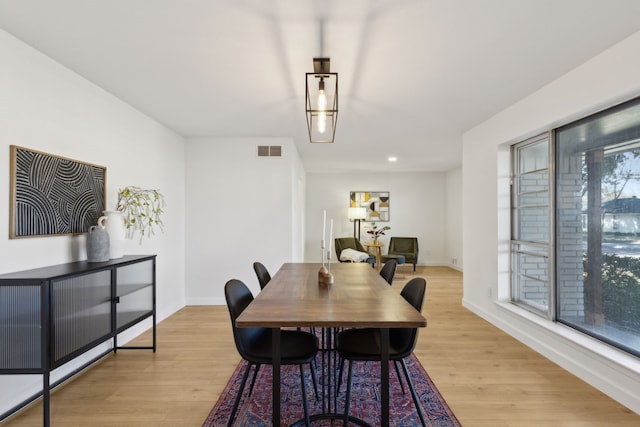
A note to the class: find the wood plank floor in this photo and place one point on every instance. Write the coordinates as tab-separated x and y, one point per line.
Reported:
487	377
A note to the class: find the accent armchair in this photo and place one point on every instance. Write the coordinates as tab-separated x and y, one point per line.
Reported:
403	246
342	243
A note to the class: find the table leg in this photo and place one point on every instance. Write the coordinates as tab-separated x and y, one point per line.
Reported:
384	376
275	348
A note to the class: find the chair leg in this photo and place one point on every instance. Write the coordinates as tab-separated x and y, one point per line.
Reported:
237	402
307	420
340	372
253	380
348	395
395	363
413	392
313	378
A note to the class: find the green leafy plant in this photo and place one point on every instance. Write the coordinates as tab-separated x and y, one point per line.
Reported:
621	290
377	232
142	210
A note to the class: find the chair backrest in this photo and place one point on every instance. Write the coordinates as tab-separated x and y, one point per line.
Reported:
388	270
403	245
263	274
342	243
405	338
238	297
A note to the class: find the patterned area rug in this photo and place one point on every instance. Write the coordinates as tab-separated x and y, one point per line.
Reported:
365	398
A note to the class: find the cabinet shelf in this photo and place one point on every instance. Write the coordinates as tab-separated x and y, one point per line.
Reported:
132	317
51	315
124	290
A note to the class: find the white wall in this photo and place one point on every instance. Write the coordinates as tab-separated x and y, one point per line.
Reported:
453	241
608	78
417	208
240	208
46	107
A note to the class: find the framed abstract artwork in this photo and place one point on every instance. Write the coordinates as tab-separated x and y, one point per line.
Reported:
376	204
52	195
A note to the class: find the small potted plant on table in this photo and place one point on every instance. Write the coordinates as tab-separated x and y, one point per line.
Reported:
377	232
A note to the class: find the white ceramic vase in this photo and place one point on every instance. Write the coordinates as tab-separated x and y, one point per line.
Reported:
115	227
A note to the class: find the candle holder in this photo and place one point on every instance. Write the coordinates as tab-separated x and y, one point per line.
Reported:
325	278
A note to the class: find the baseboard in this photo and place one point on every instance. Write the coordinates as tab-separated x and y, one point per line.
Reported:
167	311
453	266
206	301
438	264
613	372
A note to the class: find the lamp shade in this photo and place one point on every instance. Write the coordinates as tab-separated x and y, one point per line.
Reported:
357	213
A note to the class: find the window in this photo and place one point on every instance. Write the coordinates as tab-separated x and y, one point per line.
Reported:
598	225
530	225
593	239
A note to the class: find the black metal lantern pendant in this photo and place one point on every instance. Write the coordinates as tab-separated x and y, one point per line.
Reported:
322	101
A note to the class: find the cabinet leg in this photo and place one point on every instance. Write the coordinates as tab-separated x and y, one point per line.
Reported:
46	413
154	329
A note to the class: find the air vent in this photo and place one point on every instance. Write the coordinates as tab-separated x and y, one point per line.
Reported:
269	151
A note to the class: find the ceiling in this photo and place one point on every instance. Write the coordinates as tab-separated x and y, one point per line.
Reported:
414	75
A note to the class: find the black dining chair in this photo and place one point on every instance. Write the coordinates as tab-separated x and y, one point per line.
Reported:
388	270
254	344
364	344
263	274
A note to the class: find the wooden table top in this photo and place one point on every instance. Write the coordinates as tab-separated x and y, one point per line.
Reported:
359	297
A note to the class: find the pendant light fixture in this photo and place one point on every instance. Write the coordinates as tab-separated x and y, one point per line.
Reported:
322	101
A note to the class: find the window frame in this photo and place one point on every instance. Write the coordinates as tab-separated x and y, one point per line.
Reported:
514	234
554	299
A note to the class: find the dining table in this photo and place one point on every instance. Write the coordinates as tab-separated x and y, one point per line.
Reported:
358	297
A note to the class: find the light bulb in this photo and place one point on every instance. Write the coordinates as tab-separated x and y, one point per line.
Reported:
322	107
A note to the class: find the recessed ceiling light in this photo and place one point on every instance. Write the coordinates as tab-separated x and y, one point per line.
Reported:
392	159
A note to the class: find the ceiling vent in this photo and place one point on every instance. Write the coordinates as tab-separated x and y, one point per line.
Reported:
269	151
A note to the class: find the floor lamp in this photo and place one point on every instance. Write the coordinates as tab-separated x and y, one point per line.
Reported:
356	215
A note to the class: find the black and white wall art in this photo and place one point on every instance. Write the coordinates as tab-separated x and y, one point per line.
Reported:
52	195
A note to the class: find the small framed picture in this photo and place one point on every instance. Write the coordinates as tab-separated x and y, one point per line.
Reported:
376	204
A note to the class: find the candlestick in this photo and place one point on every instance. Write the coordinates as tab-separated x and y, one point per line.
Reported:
330	239
324	226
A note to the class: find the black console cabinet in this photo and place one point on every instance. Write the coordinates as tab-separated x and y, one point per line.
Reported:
50	315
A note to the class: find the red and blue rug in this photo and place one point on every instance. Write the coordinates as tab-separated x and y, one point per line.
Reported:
255	411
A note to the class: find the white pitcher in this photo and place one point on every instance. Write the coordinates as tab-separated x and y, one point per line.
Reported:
115	228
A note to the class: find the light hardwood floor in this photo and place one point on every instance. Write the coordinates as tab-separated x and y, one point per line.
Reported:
487	377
